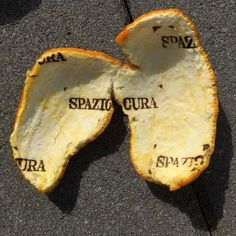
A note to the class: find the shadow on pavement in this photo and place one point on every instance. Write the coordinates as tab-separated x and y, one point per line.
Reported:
66	193
12	10
209	189
184	199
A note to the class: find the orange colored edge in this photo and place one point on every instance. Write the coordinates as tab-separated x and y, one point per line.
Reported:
52	187
123	36
29	78
35	68
85	52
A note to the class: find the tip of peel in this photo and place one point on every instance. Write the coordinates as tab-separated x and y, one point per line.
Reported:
122	36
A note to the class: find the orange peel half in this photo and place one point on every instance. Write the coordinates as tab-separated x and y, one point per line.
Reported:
168	90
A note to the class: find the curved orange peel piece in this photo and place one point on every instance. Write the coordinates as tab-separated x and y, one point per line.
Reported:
66	103
168	91
170	98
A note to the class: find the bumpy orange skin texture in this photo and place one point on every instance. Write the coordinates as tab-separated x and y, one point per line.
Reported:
119	39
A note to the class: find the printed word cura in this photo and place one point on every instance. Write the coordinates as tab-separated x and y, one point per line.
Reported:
30	165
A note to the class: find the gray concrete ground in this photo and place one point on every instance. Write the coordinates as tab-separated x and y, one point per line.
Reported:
100	193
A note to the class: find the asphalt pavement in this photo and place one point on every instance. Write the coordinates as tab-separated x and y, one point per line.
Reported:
100	193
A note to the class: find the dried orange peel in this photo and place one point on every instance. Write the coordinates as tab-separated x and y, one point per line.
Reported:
66	103
168	91
170	99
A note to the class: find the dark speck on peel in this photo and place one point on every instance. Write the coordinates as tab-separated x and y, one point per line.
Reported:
155	28
205	146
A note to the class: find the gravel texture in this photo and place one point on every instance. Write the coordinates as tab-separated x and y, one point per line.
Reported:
100	193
